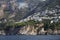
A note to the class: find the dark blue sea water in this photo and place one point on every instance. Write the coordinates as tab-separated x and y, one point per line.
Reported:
25	37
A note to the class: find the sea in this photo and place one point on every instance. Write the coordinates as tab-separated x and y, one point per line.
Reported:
30	37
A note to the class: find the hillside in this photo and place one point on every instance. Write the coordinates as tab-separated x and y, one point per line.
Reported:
12	8
29	17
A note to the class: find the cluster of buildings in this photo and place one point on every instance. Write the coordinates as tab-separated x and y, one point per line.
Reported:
53	14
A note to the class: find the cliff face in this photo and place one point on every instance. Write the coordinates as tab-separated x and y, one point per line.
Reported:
9	9
32	30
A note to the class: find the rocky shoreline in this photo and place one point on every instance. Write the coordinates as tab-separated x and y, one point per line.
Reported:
33	32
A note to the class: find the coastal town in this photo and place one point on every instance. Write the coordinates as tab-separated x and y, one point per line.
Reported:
29	17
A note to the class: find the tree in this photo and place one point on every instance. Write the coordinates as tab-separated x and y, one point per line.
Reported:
46	24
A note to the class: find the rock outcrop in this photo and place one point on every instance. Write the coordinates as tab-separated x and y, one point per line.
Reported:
31	30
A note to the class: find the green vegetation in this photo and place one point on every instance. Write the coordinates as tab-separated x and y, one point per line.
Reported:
20	24
8	26
47	24
54	25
